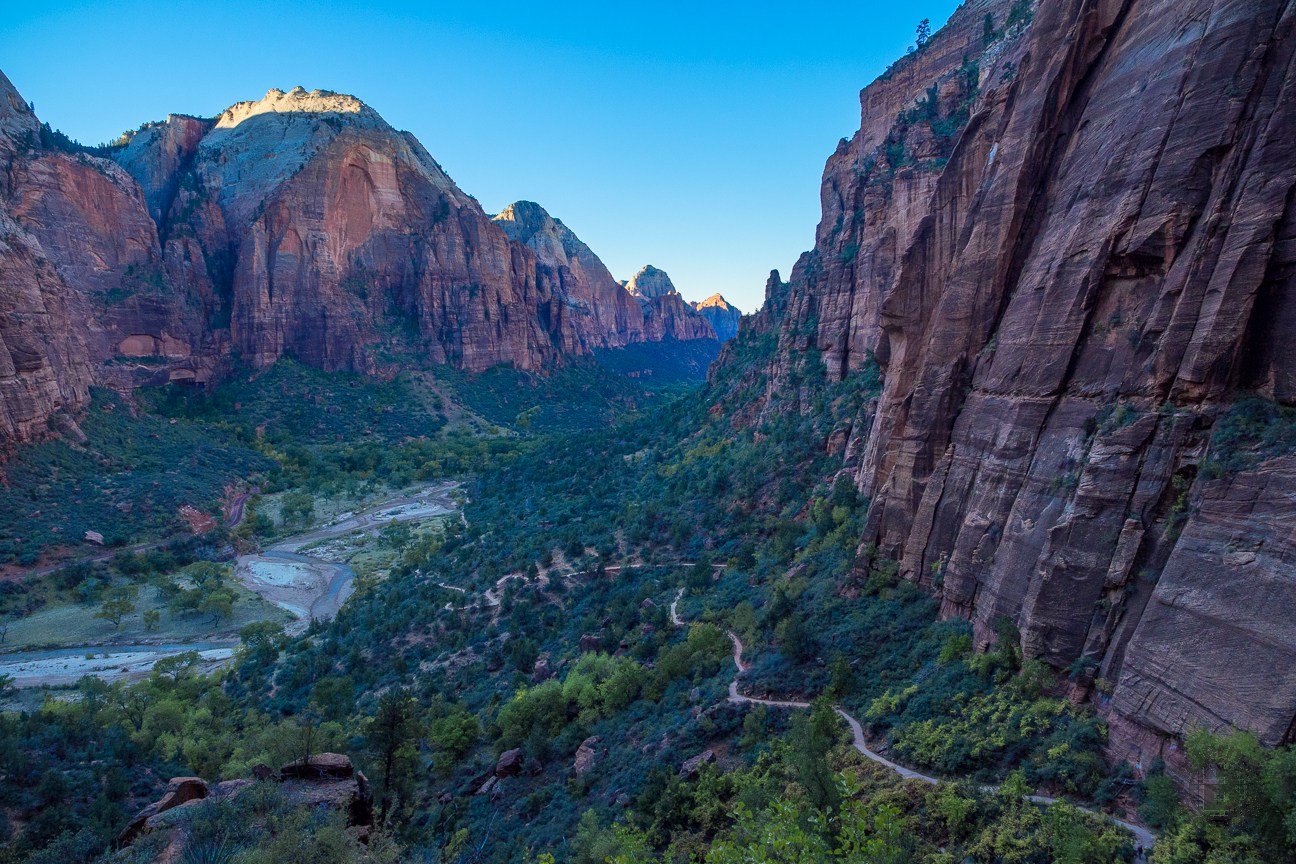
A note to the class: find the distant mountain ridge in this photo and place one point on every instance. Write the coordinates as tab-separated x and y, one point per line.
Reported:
723	316
300	224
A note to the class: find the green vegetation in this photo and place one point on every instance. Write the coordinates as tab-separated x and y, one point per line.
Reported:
425	685
165	594
1251	816
661	365
1251	431
127	481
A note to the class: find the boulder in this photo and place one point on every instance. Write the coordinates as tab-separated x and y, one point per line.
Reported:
542	671
510	763
181	790
586	755
321	766
689	770
227	789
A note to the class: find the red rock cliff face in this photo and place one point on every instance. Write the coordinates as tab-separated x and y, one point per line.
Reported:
340	241
723	317
666	314
1068	263
300	224
590	308
81	279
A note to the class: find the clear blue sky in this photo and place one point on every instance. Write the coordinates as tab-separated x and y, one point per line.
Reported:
687	135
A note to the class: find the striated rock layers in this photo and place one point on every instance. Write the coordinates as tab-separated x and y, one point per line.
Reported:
596	311
667	315
82	279
1068	242
300	224
723	317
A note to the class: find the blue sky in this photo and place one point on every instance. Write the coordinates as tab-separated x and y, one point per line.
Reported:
687	135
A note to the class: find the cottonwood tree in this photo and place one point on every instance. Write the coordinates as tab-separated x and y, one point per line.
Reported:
116	606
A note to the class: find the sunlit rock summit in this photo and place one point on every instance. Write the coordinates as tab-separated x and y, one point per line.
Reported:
300	224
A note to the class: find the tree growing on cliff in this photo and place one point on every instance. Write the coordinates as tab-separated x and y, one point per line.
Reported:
922	32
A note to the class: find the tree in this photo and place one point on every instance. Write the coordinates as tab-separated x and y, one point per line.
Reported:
390	737
332	696
812	738
177	666
922	32
700	574
116	606
297	509
795	640
779	835
152	620
219	604
1256	792
454	735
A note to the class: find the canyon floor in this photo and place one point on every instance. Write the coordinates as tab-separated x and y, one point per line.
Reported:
301	575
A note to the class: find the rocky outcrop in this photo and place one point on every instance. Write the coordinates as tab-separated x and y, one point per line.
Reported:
721	315
1067	245
595	310
159	155
81	274
650	283
325	780
587	756
179	791
509	763
693	766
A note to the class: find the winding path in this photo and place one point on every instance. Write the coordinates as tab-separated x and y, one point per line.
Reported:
1145	837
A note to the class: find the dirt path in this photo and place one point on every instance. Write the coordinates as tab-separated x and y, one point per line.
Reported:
860	743
236	509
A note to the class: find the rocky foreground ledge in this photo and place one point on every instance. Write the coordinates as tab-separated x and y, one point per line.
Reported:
325	780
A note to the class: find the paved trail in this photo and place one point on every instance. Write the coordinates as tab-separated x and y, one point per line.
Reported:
1143	835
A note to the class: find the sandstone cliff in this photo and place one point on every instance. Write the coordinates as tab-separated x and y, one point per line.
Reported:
299	224
596	311
667	315
1067	243
82	278
721	315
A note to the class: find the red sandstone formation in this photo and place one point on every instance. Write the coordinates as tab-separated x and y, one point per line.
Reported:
298	224
1068	244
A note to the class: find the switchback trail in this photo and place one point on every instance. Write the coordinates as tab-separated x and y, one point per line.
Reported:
1143	835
